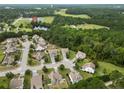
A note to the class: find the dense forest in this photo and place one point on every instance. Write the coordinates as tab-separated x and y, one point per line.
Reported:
8	15
112	18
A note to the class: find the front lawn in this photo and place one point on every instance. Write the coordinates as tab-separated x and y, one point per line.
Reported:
71	54
4	83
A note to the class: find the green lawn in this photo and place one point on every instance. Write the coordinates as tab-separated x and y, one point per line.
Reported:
71	54
86	26
62	12
4	83
109	68
47	59
64	72
33	62
48	19
1	55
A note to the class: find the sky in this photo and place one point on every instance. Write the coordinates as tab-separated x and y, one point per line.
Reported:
61	1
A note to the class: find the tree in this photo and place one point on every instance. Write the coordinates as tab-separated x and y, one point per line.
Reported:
96	63
115	75
45	69
61	67
28	72
120	83
96	83
10	75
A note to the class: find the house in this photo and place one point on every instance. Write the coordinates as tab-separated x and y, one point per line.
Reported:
55	77
16	83
25	37
40	28
40	48
80	55
89	67
35	38
74	77
8	59
38	55
36	82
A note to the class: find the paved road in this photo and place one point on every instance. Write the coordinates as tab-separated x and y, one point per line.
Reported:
24	60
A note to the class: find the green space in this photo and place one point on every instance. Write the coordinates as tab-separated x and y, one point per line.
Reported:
1	55
106	68
71	54
47	59
59	56
64	72
86	26
4	83
27	79
48	19
62	12
24	21
33	62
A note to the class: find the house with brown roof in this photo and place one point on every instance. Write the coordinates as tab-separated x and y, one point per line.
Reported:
36	82
74	76
55	77
16	83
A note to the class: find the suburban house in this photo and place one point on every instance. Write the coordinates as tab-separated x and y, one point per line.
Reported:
80	55
8	59
74	77
35	38
55	77
89	67
16	83
38	55
36	82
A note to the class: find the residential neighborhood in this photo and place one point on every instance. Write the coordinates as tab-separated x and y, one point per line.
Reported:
61	46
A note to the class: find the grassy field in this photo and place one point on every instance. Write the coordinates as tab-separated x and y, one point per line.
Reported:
86	26
48	19
62	12
109	68
24	21
1	55
4	82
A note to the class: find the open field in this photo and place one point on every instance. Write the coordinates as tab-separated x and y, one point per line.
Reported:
62	12
48	19
86	26
24	21
109	68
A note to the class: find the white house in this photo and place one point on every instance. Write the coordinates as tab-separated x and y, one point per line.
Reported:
89	67
80	55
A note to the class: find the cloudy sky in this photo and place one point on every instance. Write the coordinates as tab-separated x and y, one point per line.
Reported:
61	1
